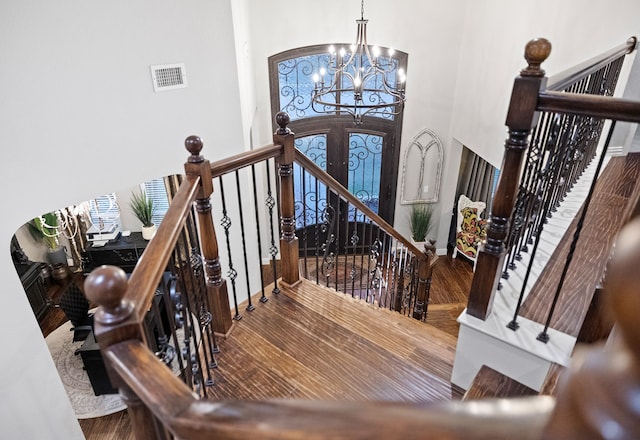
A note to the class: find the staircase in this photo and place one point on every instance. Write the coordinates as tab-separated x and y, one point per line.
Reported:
311	342
346	370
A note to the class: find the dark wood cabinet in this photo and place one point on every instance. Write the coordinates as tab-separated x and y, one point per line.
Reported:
34	286
123	252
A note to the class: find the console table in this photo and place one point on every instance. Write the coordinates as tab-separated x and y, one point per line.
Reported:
123	252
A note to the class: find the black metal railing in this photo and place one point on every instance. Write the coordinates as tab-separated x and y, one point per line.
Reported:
344	247
562	145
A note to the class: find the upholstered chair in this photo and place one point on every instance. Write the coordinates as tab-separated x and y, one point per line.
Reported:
470	229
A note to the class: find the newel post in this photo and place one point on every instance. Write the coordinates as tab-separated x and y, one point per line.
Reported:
424	286
216	285
521	117
288	240
115	322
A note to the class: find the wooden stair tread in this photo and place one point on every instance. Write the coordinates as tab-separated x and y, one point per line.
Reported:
311	342
489	383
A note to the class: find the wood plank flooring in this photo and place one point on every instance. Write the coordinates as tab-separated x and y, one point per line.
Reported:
310	342
614	198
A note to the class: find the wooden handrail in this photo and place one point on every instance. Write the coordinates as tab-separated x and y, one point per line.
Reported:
604	107
335	186
186	417
148	272
570	76
244	159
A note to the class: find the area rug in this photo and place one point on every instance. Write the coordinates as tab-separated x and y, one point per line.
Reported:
75	379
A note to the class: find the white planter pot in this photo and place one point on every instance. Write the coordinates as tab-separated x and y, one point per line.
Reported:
148	232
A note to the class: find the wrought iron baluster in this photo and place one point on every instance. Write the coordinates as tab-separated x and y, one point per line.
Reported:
553	174
263	298
175	314
194	270
250	307
303	174
232	274
273	250
327	227
337	225
354	244
190	348
544	335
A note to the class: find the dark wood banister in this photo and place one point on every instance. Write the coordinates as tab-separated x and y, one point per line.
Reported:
338	188
247	158
597	106
530	96
566	78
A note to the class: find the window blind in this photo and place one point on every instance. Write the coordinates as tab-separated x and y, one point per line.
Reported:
157	192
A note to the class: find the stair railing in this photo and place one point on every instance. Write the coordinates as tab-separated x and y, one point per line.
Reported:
161	406
554	131
346	246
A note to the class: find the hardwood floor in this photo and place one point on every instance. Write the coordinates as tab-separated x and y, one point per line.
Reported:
310	342
413	366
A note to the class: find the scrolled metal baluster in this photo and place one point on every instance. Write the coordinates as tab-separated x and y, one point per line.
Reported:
232	274
263	298
327	227
354	244
273	249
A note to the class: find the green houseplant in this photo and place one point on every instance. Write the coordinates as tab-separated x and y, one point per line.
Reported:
46	230
420	222
143	208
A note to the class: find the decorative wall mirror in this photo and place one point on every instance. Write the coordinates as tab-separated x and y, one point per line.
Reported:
422	169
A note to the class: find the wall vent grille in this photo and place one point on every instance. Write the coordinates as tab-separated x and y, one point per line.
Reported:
168	77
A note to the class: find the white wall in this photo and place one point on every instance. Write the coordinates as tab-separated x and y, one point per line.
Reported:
79	119
463	56
425	27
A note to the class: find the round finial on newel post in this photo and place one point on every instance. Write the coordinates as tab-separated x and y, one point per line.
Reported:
106	286
536	52
194	145
283	119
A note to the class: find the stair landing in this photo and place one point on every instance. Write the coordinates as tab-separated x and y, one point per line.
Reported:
311	342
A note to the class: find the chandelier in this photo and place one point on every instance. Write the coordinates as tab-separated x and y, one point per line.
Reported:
361	82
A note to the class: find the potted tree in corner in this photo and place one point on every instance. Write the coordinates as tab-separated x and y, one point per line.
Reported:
143	208
420	223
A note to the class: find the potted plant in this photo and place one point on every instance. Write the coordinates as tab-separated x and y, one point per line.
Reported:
420	222
45	229
143	208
